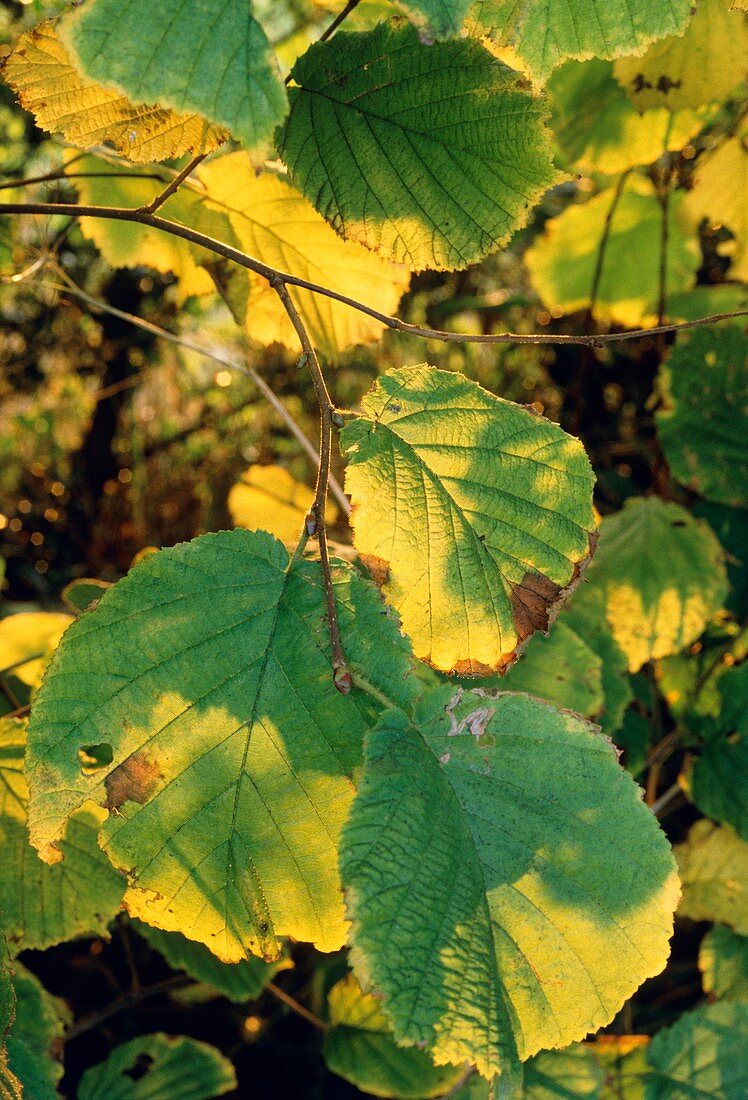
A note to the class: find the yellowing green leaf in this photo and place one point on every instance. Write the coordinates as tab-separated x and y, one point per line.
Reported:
717	779
34	1044
598	129
719	187
701	1055
127	244
210	58
474	514
661	575
10	1086
275	223
713	865
586	616
41	73
433	161
173	1067
359	1046
703	421
703	64
44	905
723	962
541	933
80	593
267	498
240	982
196	703
563	260
545	33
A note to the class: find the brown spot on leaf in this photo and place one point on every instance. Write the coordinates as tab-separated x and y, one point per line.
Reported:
378	567
471	667
134	780
531	601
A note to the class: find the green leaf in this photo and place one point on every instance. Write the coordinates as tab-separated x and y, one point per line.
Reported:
562	669
10	1086
545	33
718	777
703	420
210	58
723	962
585	615
437	17
563	260
82	592
173	1067
713	865
506	884
359	1046
731	528
623	1059
430	155
702	1055
242	981
561	1074
474	514
661	576
597	127
35	1041
44	905
274	223
196	703
701	65
559	668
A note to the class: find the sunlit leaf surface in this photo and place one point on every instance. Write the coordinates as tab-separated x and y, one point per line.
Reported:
40	71
429	155
474	514
196	704
505	881
212	58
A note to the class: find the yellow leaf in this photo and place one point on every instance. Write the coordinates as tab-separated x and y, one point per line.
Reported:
128	244
42	74
27	641
702	65
267	498
719	195
275	223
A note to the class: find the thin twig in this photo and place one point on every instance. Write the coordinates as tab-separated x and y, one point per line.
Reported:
62	174
87	1023
20	712
316	524
175	184
294	1005
183	341
602	248
659	804
346	11
270	273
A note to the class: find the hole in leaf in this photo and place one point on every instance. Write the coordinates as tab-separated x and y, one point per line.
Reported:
141	1066
94	757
